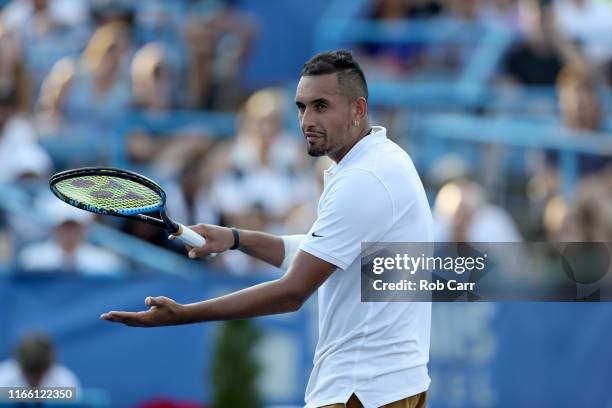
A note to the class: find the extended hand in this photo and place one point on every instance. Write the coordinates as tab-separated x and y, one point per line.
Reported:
162	311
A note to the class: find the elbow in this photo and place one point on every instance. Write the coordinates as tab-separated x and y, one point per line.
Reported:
295	298
294	306
294	292
295	302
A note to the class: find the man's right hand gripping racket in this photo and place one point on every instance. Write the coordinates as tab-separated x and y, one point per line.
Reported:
122	193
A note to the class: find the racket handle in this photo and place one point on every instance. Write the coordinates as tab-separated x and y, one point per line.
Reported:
190	237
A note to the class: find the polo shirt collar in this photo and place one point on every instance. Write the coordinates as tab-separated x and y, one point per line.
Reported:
379	133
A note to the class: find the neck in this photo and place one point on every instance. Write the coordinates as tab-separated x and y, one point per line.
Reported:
360	133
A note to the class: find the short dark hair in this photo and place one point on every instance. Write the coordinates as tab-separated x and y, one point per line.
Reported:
351	79
35	354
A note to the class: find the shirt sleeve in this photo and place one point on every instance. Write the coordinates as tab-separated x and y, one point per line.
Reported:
292	243
357	208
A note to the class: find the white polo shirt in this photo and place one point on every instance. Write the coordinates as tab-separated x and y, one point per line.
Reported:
379	351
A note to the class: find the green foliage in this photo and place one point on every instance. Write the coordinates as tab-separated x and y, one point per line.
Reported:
234	370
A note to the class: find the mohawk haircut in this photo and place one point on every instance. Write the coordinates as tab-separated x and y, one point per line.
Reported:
351	79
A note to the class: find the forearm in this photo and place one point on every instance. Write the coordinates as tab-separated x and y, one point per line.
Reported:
266	247
264	299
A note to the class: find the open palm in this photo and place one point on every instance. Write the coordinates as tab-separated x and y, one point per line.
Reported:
162	311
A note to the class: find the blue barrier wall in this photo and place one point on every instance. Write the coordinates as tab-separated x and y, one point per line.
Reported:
521	355
482	355
136	365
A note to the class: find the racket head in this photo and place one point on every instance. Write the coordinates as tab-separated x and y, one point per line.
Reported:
109	191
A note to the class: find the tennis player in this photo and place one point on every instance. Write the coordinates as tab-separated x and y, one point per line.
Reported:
368	354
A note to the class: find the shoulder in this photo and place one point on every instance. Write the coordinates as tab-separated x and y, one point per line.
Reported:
40	249
60	376
8	365
386	164
361	191
10	374
98	260
381	156
358	180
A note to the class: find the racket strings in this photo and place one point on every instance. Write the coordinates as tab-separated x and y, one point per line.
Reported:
110	193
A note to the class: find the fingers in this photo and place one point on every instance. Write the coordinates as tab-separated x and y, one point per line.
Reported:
208	250
135	319
201	229
159	301
173	237
202	252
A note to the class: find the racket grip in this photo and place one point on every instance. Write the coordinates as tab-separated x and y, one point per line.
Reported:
191	238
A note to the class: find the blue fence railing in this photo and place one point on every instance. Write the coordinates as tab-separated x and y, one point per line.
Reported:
509	132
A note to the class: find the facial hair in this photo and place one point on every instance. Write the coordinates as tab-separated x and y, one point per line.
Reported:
319	148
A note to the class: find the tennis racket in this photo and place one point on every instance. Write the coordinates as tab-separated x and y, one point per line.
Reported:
122	193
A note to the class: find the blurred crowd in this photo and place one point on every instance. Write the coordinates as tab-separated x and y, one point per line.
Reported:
562	44
75	70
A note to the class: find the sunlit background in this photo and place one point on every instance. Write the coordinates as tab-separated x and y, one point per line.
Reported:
504	107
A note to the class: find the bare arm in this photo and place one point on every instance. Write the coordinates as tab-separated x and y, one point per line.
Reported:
266	247
283	295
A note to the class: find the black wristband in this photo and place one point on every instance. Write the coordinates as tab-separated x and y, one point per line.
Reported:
236	238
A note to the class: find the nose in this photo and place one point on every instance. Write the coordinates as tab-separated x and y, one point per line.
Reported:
307	119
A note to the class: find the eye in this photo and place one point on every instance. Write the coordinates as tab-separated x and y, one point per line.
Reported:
320	106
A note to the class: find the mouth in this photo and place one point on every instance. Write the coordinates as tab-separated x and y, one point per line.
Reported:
312	136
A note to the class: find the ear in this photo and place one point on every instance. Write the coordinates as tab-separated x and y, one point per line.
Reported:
360	108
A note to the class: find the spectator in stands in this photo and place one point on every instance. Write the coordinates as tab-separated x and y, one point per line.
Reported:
304	215
20	154
192	199
219	39
112	11
49	116
152	86
156	19
34	18
265	169
587	22
586	219
463	214
24	165
503	12
579	100
35	365
581	113
67	250
187	175
540	54
393	59
48	30
31	18
262	175
581	109
12	67
97	91
153	90
593	208
465	10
